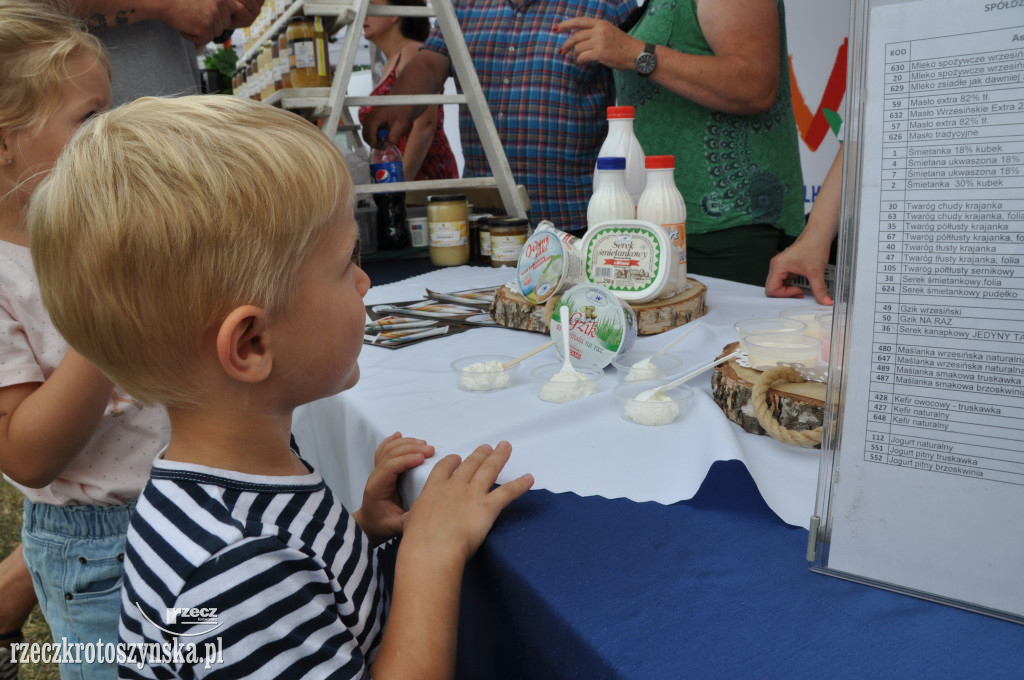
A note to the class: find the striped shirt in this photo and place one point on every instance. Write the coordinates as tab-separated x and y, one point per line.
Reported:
269	576
550	114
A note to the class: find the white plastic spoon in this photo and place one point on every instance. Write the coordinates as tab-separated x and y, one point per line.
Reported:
567	368
647	394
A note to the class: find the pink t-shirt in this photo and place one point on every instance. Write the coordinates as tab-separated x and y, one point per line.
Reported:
114	465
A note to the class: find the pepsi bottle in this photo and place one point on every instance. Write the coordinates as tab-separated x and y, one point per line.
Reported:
385	168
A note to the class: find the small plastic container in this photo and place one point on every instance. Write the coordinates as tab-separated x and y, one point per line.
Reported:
767	350
555	391
663	411
484	372
758	326
549	263
824	320
630	371
634	259
808	315
601	326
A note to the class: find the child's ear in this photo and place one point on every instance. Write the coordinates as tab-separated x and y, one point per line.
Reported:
243	346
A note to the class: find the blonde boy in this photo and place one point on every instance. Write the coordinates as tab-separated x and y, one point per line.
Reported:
202	252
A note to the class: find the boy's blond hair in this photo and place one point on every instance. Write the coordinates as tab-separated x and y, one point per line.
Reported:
163	215
36	41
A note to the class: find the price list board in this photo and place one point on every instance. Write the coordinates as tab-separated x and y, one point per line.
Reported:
927	484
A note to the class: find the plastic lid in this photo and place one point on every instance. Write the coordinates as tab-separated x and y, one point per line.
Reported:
611	163
659	162
446	197
508	222
621	112
382	133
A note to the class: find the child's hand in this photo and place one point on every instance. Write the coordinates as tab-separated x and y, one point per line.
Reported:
457	506
382	513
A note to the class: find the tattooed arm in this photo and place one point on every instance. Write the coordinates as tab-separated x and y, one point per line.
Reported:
198	20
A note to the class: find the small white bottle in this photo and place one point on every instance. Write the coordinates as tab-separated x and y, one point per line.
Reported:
611	199
662	204
622	141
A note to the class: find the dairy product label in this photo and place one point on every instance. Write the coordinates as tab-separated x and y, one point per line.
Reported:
625	259
601	326
677	234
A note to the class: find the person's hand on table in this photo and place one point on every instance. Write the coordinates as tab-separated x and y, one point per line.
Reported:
458	506
381	514
807	257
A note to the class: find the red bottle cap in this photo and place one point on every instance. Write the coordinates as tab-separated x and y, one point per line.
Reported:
660	162
621	112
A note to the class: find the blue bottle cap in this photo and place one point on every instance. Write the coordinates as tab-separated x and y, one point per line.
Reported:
382	133
611	163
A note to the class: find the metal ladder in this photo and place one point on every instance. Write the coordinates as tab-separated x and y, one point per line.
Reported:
513	197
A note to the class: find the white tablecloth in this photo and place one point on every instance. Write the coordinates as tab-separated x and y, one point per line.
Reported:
582	446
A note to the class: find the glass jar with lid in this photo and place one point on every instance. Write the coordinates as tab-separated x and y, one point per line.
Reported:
307	52
448	230
508	234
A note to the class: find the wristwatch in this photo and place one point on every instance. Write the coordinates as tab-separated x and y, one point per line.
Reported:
646	62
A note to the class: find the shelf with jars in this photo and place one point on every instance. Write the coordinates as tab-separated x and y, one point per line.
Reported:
285	61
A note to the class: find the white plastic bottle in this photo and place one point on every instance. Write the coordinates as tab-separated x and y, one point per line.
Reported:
622	141
611	199
662	204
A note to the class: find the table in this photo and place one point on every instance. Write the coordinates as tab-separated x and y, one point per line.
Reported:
575	585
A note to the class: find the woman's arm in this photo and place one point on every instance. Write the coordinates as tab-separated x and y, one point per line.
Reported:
43	426
423	129
741	77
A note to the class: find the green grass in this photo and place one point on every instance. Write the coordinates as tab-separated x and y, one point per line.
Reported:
35	629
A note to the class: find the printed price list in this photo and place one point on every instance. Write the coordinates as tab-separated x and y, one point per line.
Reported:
947	374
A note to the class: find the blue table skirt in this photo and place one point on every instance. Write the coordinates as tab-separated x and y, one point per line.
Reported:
713	587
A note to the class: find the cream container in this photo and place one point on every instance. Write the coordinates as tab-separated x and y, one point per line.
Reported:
601	326
634	259
768	350
664	408
757	326
549	263
808	315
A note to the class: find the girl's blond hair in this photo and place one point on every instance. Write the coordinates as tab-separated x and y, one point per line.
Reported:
36	41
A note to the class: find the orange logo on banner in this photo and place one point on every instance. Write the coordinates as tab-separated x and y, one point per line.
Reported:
814	127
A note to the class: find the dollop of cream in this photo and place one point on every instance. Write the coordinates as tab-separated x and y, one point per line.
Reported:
566	386
660	409
483	376
644	370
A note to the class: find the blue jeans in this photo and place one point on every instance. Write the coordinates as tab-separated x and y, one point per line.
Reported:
76	557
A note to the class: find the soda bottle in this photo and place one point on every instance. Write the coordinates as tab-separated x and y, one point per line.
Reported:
386	167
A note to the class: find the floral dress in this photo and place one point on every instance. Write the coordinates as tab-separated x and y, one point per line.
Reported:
439	162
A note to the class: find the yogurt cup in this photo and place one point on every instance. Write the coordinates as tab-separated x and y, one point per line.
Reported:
634	259
768	350
549	263
808	315
601	326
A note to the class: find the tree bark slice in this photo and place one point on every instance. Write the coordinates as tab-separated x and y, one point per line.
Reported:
512	310
797	406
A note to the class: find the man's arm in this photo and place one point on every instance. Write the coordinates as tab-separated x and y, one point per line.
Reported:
198	20
424	74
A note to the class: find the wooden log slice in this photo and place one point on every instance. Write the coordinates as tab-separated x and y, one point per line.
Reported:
512	310
796	406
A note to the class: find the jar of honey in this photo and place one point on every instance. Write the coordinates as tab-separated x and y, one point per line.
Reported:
307	52
508	234
448	230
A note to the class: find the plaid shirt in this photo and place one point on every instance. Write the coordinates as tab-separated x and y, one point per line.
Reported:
550	114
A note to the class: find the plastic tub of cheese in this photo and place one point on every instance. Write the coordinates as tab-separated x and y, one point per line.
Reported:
484	372
558	386
638	365
768	350
808	315
601	326
661	408
634	259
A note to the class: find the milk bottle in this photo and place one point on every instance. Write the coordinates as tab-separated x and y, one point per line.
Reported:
662	204
622	141
611	199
